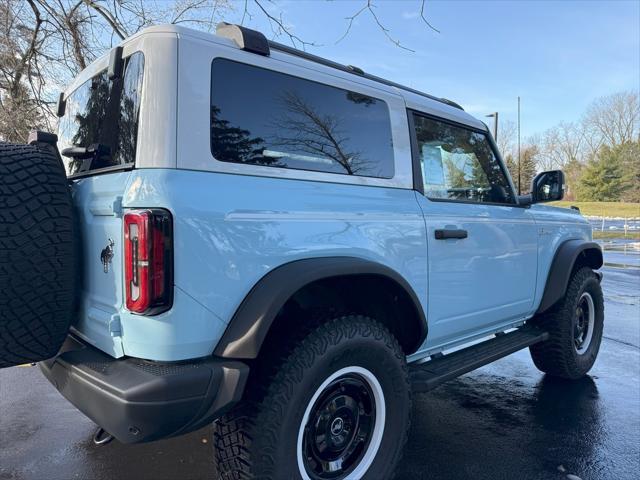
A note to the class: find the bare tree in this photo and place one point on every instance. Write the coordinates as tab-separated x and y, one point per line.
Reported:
560	145
571	142
613	120
20	79
549	145
507	138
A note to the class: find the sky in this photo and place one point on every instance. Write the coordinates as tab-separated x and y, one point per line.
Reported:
558	56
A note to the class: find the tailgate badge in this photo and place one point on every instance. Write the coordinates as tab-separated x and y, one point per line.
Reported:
106	255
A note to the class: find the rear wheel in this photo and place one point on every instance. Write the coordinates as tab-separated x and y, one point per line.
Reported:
575	327
37	250
336	407
342	426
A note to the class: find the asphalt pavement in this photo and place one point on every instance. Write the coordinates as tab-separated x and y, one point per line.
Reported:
504	421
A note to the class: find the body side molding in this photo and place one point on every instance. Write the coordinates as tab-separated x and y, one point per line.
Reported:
253	318
562	268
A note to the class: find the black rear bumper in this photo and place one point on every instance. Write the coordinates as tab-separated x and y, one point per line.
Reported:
139	401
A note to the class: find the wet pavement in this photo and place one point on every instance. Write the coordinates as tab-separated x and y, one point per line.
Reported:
503	421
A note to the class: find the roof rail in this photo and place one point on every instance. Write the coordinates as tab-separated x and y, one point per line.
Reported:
254	41
356	71
247	39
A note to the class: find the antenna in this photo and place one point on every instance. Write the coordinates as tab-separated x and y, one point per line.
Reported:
519	161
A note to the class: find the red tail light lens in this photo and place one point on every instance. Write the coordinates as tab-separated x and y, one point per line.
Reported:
148	261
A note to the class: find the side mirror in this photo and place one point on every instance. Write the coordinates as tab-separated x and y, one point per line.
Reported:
547	187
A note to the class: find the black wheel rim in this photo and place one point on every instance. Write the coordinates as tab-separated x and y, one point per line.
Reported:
584	323
339	428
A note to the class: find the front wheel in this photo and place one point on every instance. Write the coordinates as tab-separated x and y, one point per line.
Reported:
336	407
575	328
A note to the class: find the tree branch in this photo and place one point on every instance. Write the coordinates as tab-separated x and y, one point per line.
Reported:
424	19
118	30
29	51
369	7
283	28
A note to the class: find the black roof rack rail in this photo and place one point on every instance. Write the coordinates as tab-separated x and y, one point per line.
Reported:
247	39
355	70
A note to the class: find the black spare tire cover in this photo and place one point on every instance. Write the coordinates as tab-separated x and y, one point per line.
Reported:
37	249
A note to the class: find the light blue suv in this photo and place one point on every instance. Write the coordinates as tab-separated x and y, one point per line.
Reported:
285	246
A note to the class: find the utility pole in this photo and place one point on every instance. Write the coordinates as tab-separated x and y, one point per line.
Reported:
519	160
495	124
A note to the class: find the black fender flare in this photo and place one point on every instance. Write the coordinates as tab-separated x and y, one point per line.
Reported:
562	267
252	320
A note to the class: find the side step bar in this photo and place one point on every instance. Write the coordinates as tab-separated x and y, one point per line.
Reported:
429	375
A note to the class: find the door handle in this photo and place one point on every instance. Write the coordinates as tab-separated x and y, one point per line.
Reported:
444	234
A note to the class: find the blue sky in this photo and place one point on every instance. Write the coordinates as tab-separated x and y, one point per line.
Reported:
557	55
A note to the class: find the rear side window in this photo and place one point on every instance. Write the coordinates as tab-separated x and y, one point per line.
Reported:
103	112
459	164
262	117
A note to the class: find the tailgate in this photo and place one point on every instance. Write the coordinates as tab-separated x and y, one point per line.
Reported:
98	141
97	202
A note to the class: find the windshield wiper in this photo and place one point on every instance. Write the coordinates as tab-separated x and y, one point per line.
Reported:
93	150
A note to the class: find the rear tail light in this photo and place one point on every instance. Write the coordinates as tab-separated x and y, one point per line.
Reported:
148	261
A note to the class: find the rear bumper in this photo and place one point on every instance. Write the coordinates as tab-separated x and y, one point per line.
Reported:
138	401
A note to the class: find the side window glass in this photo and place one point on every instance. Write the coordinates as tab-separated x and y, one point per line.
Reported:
130	108
104	112
263	117
458	164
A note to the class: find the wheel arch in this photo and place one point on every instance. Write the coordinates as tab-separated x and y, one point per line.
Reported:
569	256
257	313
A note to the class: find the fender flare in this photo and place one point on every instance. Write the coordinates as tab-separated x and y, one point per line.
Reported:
252	320
562	267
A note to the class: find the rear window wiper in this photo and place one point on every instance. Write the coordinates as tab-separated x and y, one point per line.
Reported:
93	150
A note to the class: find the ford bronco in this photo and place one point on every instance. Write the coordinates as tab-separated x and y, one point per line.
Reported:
225	229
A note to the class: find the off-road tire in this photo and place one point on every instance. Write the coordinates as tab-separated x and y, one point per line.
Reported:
37	249
258	438
558	356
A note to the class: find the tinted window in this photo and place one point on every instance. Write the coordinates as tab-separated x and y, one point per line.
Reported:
262	117
104	112
459	164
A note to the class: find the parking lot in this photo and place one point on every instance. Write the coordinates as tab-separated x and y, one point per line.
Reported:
506	420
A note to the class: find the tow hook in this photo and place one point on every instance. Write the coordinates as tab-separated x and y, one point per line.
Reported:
102	437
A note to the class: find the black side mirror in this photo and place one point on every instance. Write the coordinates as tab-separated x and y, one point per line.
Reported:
547	187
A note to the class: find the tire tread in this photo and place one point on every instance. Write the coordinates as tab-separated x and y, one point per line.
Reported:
37	271
555	356
235	442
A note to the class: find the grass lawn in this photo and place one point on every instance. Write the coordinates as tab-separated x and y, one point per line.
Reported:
606	235
607	209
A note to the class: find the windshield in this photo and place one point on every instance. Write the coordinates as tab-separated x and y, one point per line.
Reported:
103	112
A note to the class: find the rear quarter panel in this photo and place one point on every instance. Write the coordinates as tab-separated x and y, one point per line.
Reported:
230	230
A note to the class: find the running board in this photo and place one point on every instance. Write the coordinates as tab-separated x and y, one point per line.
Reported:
429	375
